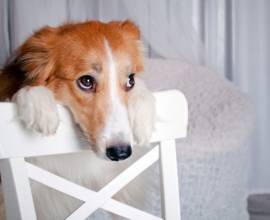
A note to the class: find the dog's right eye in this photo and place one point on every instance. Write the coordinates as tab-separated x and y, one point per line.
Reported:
86	83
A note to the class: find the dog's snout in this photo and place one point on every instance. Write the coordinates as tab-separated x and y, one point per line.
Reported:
116	153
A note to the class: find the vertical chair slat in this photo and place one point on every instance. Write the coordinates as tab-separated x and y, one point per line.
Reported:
16	189
169	181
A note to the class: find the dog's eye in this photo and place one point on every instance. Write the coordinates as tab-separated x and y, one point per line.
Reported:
87	83
130	82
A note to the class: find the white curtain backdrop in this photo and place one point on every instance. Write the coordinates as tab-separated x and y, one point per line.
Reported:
155	17
229	36
251	72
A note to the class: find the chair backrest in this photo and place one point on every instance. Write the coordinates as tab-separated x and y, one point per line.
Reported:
16	143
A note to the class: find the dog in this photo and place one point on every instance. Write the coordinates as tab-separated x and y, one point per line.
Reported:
91	68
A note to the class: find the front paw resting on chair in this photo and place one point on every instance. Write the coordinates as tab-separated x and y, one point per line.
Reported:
37	109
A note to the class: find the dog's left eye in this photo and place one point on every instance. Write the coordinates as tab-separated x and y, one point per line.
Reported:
86	83
130	81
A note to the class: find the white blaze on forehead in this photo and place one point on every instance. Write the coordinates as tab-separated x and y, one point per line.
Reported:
117	127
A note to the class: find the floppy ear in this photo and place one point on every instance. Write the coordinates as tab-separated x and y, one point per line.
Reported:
141	109
31	64
128	27
36	58
131	34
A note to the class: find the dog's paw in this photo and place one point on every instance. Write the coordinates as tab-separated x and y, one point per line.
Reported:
37	109
142	113
143	130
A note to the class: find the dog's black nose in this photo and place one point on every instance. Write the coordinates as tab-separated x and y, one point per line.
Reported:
116	153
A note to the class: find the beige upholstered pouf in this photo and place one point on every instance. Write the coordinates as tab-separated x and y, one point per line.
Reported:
212	161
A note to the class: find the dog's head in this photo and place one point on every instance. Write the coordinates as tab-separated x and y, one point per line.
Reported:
91	68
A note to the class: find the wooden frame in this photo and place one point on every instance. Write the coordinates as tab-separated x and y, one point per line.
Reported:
172	117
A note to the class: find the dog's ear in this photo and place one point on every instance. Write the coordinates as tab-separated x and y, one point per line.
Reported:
129	28
36	56
30	64
130	31
141	110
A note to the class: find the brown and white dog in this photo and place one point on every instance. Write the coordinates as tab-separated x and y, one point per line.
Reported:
91	68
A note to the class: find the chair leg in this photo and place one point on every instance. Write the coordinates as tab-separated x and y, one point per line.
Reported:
16	189
169	181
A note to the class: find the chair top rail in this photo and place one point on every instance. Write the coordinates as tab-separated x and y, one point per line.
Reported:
17	141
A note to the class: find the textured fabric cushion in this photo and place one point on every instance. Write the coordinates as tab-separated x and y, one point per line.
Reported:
259	204
219	115
212	160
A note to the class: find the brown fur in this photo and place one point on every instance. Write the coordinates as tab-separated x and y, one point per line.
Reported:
57	57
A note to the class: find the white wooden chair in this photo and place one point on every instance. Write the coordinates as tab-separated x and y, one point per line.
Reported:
16	143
